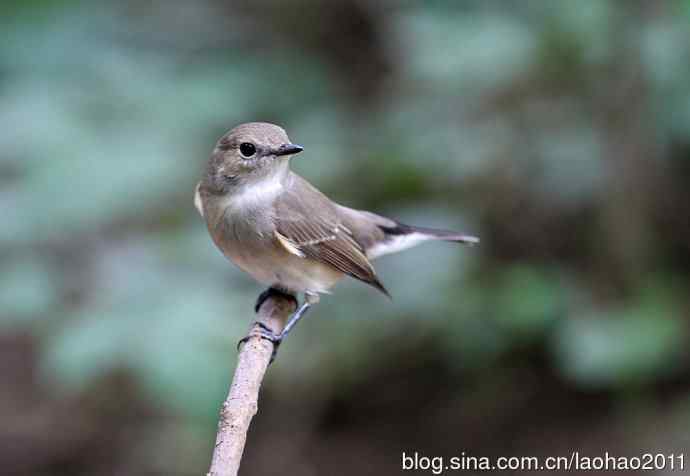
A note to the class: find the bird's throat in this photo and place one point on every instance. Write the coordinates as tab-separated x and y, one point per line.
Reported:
255	195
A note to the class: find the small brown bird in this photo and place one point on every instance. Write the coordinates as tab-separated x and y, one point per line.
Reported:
281	230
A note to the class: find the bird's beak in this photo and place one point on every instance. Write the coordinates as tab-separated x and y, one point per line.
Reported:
288	149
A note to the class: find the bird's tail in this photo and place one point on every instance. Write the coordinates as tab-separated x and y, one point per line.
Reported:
400	237
433	233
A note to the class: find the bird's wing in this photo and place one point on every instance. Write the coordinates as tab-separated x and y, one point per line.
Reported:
308	225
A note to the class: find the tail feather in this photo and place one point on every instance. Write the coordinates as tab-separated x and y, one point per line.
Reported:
432	233
400	237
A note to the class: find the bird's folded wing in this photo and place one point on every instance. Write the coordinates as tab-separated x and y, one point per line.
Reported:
317	233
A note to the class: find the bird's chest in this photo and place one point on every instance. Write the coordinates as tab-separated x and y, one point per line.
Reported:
242	227
243	217
241	230
248	240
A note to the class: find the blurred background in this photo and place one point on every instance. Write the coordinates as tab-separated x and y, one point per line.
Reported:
557	131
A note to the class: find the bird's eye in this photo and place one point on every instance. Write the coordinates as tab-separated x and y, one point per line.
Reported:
247	149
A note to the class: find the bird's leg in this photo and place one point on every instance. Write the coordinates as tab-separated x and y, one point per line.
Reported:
309	300
267	333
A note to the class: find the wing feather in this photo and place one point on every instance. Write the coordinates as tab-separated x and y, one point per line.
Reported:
289	246
309	224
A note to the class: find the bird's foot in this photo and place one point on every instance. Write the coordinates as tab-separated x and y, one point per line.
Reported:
266	333
273	292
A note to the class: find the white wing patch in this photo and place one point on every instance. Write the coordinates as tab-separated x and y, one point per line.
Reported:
289	245
197	200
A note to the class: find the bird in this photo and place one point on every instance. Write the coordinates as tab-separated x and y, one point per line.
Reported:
286	234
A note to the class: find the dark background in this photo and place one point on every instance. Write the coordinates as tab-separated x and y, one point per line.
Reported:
558	131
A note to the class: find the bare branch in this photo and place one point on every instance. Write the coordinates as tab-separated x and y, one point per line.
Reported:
241	403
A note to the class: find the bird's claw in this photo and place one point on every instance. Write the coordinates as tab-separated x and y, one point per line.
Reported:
264	332
272	292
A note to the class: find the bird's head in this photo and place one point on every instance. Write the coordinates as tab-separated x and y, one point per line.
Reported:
250	153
